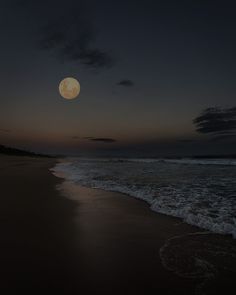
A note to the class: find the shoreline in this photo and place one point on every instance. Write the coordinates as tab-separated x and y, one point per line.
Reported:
38	235
92	241
161	241
202	226
201	204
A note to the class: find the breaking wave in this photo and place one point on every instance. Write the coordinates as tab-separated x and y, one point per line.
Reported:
201	192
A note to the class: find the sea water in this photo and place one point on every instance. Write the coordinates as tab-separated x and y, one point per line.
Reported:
201	192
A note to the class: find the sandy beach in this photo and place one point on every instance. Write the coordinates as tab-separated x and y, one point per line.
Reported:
38	249
76	240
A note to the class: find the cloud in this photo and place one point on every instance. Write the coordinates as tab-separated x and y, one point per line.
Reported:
5	130
68	31
100	139
74	42
126	83
217	122
108	140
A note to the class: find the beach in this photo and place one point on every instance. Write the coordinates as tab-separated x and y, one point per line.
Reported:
64	238
38	249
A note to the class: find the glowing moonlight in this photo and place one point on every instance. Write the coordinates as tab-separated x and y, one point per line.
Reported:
69	88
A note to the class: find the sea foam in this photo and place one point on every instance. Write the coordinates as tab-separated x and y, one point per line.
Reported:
201	192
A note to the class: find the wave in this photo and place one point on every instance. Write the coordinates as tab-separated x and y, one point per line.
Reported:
184	161
202	195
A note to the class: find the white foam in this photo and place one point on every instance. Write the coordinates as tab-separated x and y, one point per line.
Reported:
202	195
188	161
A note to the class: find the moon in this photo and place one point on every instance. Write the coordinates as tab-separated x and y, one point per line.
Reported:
69	88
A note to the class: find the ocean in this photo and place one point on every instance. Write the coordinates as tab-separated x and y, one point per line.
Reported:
201	192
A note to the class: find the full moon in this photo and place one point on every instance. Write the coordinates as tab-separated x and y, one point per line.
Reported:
69	88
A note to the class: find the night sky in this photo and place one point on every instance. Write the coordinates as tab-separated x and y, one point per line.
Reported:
157	77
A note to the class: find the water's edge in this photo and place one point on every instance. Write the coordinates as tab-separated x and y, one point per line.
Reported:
64	170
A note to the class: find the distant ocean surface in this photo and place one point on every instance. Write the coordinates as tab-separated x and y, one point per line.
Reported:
200	191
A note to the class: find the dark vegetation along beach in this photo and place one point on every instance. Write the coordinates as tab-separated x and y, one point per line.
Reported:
57	237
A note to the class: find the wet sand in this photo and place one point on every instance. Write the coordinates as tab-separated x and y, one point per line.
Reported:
96	242
129	249
38	245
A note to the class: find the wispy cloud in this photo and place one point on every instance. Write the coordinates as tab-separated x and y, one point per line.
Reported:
126	83
73	40
107	140
5	130
219	122
98	139
68	31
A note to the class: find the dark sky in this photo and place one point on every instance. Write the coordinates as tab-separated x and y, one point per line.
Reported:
155	76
